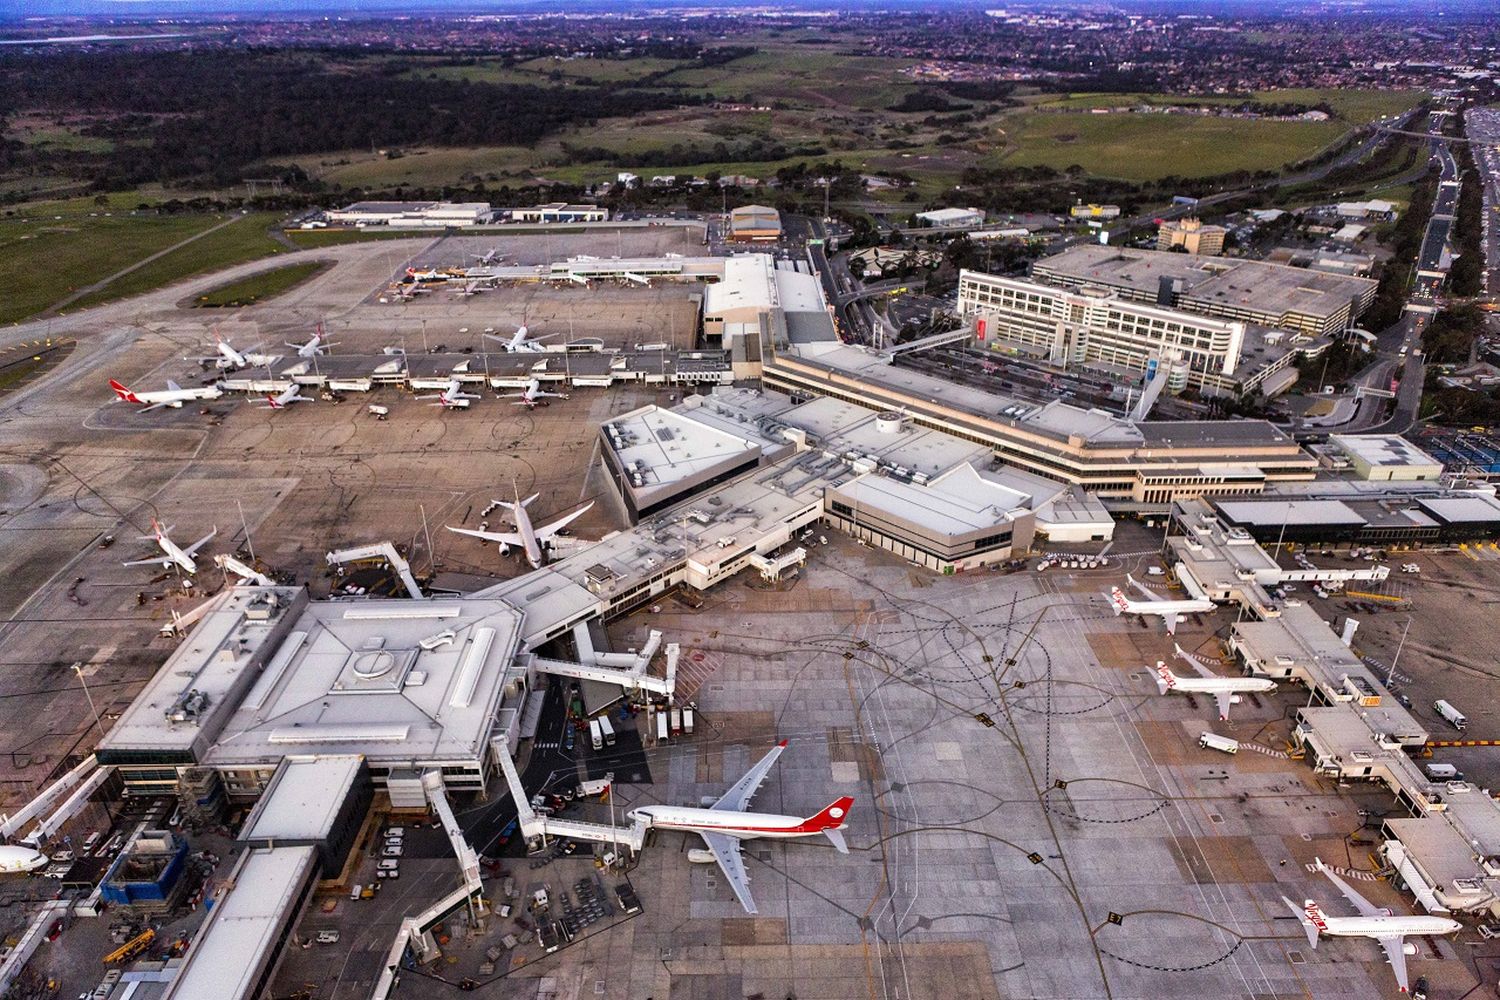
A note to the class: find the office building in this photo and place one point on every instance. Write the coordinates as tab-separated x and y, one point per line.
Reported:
1274	295
1192	235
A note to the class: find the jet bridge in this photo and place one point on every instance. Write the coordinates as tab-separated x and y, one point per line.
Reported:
48	797
625	669
380	550
535	827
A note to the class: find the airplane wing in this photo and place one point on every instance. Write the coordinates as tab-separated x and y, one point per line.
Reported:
503	537
159	561
546	532
200	542
1392	943
1194	662
726	851
1171	618
1150	594
737	799
1360	903
1222	700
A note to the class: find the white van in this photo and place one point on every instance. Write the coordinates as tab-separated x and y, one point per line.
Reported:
1442	772
607	730
1213	741
596	735
1454	716
661	727
355	891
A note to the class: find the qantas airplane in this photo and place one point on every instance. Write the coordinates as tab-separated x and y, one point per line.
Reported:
1170	611
453	397
1224	689
173	395
285	398
1373	922
520	343
532	396
315	346
532	541
172	553
726	823
471	287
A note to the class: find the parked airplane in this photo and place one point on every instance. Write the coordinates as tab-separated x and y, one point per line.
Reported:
520	343
1224	689
285	398
489	257
21	859
315	346
1373	922
453	397
172	553
532	396
533	541
228	358
428	274
471	287
173	395
726	823
1170	611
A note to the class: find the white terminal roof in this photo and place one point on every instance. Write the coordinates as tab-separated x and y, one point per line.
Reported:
668	447
942	215
1452	509
748	283
957	503
244	929
799	292
303	798
391	679
1290	512
1383	450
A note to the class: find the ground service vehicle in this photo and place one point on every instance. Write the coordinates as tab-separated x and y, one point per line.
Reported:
596	735
1213	741
1454	716
607	730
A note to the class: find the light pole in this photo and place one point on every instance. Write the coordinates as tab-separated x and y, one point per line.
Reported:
1390	674
78	669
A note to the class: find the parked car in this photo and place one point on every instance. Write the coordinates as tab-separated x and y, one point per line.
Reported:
389	864
328	936
392	850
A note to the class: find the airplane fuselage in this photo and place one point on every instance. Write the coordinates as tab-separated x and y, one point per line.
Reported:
529	542
741	825
1378	927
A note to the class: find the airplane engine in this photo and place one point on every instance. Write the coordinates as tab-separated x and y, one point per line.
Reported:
1407	948
699	856
1235	699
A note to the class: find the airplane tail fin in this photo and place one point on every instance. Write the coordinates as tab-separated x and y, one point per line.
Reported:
527	501
1117	600
830	820
123	392
1165	679
1309	916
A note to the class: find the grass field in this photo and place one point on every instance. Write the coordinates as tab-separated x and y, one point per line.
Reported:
244	239
259	287
42	262
1147	147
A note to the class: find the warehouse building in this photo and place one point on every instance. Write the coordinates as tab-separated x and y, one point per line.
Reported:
413	214
1386	458
755	224
952	218
557	211
1312	302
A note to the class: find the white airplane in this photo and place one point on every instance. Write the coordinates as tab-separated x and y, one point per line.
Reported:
1226	690
1373	922
488	257
172	553
453	397
726	823
520	343
1170	611
532	396
173	395
15	860
532	541
471	287
315	346
285	398
228	358
426	274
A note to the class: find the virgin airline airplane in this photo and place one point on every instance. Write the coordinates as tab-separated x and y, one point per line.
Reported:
1373	922
172	553
520	343
1171	612
532	541
453	397
531	397
725	824
1226	690
173	395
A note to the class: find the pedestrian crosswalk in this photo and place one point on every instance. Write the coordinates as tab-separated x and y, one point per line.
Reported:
693	670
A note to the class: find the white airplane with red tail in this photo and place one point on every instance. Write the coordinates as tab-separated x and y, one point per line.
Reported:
453	397
171	553
173	395
1171	612
726	823
1373	922
531	540
532	396
521	342
1226	690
